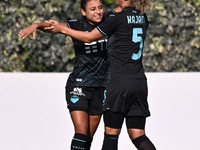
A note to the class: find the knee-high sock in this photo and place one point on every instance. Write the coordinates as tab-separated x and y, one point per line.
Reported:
78	142
143	143
110	142
88	144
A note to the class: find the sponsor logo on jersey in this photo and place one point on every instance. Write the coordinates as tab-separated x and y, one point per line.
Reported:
93	48
79	80
77	91
73	20
112	15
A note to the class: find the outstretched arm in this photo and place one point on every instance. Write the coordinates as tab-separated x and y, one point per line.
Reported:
32	29
79	35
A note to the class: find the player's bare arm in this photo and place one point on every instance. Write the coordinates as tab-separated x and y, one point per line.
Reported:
56	26
32	29
79	35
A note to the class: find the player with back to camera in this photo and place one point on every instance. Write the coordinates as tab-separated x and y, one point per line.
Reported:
126	94
86	84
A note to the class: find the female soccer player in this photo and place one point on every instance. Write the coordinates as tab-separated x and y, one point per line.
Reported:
86	84
126	94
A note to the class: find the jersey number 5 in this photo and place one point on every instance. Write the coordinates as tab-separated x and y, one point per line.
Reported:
136	39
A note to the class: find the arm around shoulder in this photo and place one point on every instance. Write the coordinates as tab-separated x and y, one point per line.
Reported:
83	36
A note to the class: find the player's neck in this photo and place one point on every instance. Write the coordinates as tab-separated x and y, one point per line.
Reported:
126	4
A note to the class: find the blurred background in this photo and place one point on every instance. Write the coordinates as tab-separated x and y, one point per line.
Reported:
172	44
33	114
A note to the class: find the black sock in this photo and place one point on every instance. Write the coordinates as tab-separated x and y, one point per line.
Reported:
143	143
110	142
88	144
78	142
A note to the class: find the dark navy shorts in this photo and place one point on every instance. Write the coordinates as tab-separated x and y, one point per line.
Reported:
88	99
128	96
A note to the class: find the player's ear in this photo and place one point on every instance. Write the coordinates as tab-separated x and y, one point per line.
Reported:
83	12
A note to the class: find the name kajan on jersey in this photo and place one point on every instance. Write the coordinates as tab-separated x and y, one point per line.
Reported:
136	19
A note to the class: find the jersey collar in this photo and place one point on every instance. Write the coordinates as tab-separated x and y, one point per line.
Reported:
129	8
87	24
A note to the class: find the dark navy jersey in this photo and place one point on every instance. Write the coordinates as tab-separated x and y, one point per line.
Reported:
107	14
109	44
127	32
91	63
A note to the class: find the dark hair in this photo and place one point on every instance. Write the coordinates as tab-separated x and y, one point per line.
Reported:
83	3
141	5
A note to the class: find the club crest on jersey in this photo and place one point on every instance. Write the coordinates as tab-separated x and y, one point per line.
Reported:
74	99
76	93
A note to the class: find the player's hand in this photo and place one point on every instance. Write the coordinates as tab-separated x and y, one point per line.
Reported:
29	30
56	26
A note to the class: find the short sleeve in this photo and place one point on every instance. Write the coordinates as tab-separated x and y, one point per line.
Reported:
107	14
71	23
109	25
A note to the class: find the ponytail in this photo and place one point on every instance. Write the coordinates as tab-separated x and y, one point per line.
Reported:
141	5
